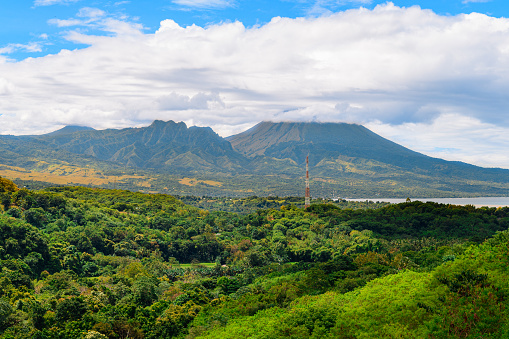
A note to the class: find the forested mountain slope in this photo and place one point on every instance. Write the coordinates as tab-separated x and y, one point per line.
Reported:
162	145
331	146
265	160
89	263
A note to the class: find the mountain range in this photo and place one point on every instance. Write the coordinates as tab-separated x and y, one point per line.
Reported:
266	159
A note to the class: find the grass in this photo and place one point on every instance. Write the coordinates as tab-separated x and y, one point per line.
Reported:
205	264
194	182
66	174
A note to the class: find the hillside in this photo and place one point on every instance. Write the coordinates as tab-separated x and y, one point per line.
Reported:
162	145
91	263
333	142
282	140
169	157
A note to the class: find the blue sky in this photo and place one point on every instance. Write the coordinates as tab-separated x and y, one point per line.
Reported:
27	28
430	75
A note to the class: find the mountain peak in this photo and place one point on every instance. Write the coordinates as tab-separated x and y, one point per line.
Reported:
162	124
342	156
70	129
256	140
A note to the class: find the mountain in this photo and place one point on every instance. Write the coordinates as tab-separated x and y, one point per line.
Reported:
330	144
295	140
160	146
70	129
267	159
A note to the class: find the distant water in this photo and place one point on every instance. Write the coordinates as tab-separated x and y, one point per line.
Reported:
478	202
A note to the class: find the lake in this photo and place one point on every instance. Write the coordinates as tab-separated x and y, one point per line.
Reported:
478	202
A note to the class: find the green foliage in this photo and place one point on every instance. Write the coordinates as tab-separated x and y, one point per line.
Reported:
36	217
228	285
417	219
7	186
70	309
80	262
144	290
5	312
253	203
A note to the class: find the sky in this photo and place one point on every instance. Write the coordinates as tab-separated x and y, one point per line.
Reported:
430	75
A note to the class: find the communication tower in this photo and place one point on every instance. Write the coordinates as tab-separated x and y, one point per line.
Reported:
307	199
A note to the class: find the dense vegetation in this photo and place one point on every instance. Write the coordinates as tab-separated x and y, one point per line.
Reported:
88	263
253	203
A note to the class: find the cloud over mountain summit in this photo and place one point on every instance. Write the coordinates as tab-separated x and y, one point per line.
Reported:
390	66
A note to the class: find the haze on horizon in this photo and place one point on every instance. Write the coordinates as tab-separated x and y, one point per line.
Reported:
429	76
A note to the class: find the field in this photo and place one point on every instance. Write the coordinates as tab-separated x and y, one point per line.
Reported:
204	264
194	182
68	175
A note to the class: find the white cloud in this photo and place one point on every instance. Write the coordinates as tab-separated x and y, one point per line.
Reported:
53	2
452	137
327	7
179	102
205	3
93	13
29	47
66	22
97	19
6	87
474	1
402	67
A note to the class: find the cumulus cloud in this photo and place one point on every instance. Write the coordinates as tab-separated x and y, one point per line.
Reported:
402	67
179	102
5	87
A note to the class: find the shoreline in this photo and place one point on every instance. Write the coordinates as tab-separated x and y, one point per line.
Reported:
477	202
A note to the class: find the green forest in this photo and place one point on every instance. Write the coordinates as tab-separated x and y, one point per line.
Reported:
89	263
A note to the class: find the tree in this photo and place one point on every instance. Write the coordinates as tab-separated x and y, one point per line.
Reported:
70	309
144	290
5	312
7	185
36	217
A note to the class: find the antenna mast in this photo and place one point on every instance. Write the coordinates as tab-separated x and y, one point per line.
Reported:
308	197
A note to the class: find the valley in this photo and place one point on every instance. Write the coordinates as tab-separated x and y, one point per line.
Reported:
222	169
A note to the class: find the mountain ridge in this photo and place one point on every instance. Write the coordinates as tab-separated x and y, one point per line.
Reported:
268	158
329	141
70	129
154	146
